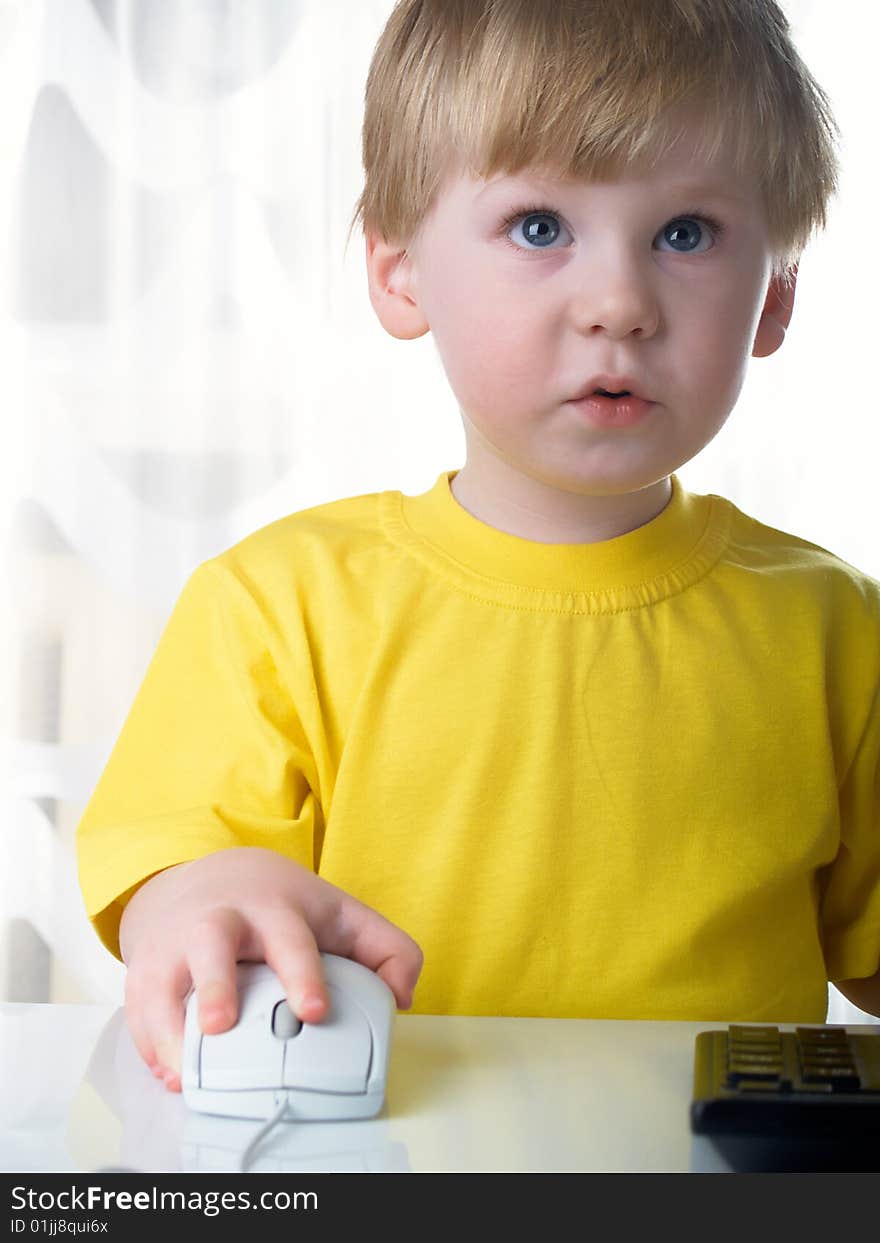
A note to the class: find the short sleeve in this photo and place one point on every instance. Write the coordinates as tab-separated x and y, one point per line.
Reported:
213	754
850	910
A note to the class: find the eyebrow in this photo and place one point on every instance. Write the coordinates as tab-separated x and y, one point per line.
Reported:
683	189
707	189
511	181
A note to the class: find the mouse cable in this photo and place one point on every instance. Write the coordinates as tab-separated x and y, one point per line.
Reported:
268	1125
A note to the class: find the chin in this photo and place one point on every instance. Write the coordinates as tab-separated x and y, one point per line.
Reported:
609	480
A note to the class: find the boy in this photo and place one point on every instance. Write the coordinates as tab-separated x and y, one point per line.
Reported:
556	737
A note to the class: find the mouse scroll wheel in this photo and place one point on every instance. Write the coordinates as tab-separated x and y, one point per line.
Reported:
284	1022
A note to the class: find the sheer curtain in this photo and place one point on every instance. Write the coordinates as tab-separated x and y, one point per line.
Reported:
189	352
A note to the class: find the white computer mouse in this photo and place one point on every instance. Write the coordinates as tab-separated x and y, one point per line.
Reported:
332	1070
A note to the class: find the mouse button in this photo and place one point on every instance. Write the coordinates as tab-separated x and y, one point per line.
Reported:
333	1055
243	1057
247	1055
363	986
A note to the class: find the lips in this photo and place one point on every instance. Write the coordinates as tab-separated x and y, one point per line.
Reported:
610	385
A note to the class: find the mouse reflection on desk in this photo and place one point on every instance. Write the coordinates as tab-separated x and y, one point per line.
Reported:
331	1070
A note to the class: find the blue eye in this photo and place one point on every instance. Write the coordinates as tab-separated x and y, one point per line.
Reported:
687	235
540	228
690	234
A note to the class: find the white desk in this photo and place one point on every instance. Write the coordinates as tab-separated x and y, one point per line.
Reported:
464	1094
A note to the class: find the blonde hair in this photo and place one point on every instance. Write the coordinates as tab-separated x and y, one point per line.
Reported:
584	88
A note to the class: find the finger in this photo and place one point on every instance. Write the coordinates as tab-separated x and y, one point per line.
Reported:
211	957
137	1026
163	1017
373	940
292	953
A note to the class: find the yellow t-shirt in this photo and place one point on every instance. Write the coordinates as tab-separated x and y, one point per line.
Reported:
631	779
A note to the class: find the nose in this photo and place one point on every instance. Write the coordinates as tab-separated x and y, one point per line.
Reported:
615	297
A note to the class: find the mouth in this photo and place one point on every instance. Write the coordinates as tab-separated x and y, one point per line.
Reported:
612	404
609	386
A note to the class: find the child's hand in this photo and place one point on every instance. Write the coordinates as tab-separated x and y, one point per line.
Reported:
189	925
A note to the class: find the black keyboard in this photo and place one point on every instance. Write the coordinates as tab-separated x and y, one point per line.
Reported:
812	1083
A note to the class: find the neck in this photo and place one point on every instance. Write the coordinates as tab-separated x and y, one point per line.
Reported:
533	510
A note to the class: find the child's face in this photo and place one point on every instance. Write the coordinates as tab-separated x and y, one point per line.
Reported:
631	281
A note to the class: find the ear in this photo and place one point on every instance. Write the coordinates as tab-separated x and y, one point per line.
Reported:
775	316
390	278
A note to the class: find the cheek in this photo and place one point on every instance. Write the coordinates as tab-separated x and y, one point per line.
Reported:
721	333
490	352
